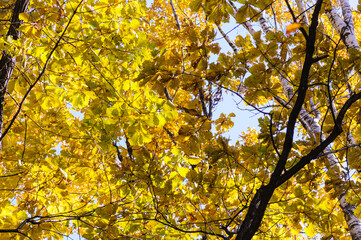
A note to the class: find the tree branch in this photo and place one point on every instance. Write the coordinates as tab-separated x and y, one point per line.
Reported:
302	89
260	200
315	153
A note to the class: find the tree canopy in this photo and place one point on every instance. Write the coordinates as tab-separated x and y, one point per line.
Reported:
108	131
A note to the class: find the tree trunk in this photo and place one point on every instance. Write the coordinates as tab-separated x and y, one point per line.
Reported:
7	62
255	213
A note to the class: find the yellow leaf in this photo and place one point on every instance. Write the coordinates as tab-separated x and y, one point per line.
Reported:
183	171
24	16
135	23
292	28
175	151
310	230
193	160
167	159
172	175
26	28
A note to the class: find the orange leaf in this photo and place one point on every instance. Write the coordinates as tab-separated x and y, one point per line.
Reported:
292	28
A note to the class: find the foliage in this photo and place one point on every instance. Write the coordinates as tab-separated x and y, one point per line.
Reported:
108	128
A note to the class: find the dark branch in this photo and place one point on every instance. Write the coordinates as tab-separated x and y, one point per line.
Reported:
201	97
302	89
129	147
119	155
260	201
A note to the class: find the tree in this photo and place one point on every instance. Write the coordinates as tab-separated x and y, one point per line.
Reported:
107	129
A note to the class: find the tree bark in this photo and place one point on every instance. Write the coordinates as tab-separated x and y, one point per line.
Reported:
7	62
20	7
344	29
